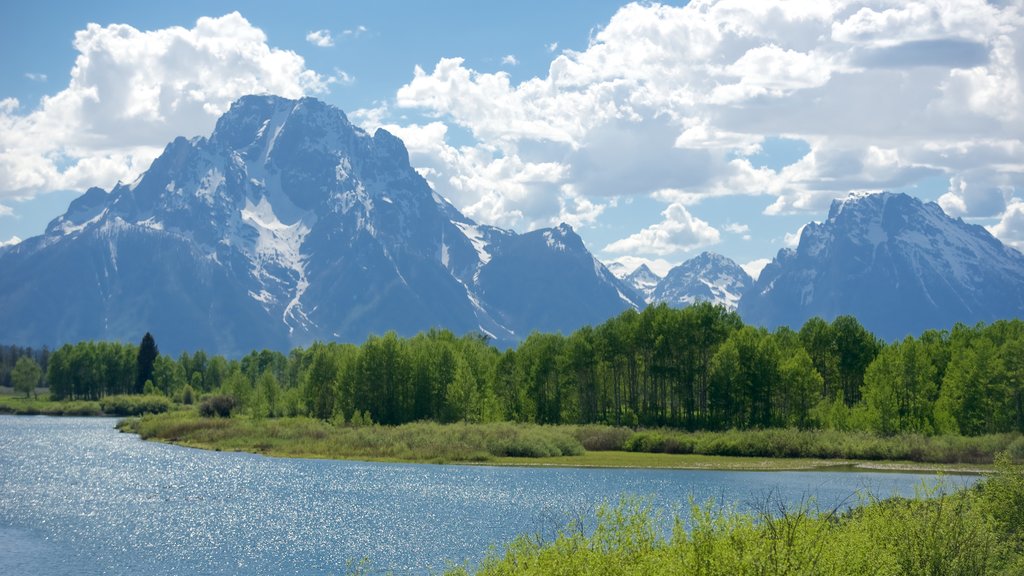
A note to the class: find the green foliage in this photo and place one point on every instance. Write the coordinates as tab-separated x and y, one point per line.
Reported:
131	405
218	405
420	441
145	361
697	369
26	376
34	407
975	532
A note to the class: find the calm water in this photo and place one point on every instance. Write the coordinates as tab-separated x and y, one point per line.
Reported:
78	497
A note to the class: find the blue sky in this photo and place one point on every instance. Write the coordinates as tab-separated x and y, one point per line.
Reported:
656	130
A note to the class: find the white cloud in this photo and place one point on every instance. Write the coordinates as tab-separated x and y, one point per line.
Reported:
321	38
509	60
741	229
754	267
10	242
130	92
792	240
35	76
355	32
659	266
1010	228
674	100
552	47
978	198
5	210
679	232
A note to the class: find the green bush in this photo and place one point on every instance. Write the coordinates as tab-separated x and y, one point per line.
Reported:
939	534
129	405
219	405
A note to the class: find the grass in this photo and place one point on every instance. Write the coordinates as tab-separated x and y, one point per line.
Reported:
973	532
503	443
43	406
309	438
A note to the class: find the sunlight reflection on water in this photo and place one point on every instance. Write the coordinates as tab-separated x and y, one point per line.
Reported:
78	497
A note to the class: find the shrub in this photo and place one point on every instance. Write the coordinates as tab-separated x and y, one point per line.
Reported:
125	405
220	405
596	437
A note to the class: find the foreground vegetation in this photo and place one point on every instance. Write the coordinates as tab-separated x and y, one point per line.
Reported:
587	445
975	532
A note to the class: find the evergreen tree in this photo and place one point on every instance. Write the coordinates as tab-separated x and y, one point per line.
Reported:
148	353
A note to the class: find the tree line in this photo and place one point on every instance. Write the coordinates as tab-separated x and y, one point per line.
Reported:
697	368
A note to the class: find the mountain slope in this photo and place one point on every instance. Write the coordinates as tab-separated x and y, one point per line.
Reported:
707	277
899	265
644	281
289	224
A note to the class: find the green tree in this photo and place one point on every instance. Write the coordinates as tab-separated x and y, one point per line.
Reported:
148	353
25	375
900	389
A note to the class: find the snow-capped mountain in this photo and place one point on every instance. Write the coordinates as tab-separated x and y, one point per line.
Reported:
899	265
644	281
708	277
289	224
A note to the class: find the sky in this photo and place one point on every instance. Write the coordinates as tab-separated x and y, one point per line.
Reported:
657	131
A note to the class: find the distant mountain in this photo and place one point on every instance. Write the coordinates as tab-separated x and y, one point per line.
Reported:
899	265
644	281
708	277
289	224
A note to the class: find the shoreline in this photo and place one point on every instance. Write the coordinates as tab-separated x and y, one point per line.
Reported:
621	460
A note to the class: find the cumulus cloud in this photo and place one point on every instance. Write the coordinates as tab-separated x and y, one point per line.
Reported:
741	229
979	197
509	60
792	240
130	92
10	241
1010	228
754	267
321	38
676	100
35	76
679	232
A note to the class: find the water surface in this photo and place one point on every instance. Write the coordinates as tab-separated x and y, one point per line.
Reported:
78	497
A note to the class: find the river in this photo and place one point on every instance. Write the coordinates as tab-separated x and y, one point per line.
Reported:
78	497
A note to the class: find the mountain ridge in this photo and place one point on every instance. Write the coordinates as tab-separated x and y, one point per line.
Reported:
901	266
292	224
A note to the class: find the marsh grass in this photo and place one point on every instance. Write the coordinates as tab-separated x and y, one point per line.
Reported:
829	444
967	533
306	437
45	407
462	442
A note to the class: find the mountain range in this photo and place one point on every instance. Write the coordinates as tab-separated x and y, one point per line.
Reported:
709	277
288	224
899	265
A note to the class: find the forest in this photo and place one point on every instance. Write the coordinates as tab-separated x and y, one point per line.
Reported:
697	368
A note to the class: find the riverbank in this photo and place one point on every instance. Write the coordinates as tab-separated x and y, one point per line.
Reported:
114	405
516	444
977	532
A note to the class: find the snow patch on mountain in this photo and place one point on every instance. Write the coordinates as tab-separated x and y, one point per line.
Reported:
476	237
